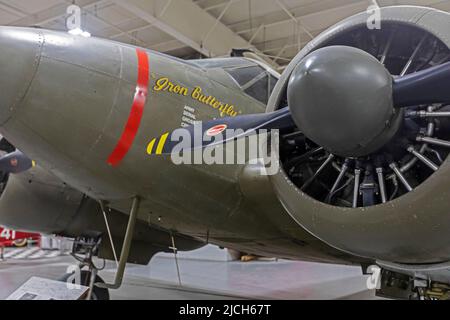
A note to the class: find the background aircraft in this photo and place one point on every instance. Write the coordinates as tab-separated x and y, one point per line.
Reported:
364	142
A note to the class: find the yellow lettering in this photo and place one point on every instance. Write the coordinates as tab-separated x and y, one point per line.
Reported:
208	101
196	93
170	87
204	99
161	84
184	91
177	89
223	107
164	84
231	112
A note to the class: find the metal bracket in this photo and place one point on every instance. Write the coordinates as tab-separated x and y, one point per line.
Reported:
175	253
125	248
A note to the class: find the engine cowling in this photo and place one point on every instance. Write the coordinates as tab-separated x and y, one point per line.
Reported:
385	203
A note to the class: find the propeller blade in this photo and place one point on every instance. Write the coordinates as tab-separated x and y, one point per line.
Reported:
220	131
15	162
424	87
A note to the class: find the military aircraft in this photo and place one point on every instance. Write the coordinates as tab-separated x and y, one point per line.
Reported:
362	121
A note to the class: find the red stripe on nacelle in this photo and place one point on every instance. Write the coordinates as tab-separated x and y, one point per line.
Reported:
137	111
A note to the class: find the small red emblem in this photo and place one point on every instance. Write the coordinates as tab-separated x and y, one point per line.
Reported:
214	131
14	162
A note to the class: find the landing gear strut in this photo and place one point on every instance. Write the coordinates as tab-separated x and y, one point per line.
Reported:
85	248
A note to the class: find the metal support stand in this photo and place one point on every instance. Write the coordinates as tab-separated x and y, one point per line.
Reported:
113	247
125	248
94	273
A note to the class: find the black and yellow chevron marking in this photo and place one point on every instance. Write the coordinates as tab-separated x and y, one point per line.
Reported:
159	143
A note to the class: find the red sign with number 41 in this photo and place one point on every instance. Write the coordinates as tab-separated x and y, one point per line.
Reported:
10	238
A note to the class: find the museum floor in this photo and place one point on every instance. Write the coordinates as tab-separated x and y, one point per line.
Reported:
205	275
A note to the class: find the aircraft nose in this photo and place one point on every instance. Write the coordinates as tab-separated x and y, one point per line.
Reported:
20	50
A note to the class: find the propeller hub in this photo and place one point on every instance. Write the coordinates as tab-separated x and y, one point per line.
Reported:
342	99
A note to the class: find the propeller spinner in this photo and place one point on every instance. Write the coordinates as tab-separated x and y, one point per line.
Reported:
341	98
14	161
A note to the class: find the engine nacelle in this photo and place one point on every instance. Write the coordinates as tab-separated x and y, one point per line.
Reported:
37	201
404	220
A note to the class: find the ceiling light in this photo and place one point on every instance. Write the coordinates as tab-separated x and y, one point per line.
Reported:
79	32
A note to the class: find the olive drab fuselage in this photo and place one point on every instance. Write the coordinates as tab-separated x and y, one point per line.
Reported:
113	100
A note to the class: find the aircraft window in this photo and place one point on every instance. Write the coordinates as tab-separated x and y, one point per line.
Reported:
259	89
252	78
245	75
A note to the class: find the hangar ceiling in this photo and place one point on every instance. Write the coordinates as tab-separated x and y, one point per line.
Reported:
195	28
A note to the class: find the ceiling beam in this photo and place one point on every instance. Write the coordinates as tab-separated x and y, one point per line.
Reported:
109	24
51	14
12	10
185	21
293	18
315	16
167	46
